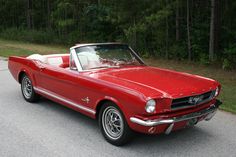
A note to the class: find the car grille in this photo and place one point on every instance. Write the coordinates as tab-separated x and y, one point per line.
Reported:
192	100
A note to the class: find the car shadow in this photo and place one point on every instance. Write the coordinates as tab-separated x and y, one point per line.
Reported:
175	141
191	138
67	112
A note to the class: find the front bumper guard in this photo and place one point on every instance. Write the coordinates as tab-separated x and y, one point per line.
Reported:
209	113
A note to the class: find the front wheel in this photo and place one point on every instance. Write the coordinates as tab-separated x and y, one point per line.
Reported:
113	125
28	90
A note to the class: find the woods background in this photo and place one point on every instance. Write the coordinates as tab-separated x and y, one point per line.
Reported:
195	30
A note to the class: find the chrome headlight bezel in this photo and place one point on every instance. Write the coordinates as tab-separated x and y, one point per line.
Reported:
216	92
150	106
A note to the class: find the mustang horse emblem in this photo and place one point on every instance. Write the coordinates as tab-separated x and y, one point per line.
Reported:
196	99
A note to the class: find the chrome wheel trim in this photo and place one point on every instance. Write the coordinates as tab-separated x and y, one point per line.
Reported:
27	87
112	123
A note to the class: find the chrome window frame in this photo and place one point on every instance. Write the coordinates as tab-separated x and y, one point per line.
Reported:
76	60
78	64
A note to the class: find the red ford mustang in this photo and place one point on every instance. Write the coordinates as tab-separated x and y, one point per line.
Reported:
111	83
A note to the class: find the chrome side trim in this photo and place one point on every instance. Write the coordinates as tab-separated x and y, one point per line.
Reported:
55	96
209	111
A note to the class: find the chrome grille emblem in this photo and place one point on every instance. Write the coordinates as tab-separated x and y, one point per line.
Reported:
195	99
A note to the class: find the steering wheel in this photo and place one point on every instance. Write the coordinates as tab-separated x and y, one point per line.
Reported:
122	60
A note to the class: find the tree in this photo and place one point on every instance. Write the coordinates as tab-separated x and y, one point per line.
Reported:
167	33
177	33
49	24
214	29
29	14
174	29
188	32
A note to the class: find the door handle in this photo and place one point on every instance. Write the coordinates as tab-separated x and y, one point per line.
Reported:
39	65
41	68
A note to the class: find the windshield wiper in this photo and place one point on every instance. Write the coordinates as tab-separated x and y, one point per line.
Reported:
100	67
129	63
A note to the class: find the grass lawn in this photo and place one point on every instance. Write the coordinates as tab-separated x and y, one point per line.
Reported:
226	78
8	48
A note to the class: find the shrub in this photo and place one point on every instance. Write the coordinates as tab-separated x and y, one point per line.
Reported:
43	37
177	51
229	60
204	59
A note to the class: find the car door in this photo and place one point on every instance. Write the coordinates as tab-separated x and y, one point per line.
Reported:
67	86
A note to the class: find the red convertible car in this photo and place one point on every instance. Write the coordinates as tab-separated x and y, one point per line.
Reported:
111	83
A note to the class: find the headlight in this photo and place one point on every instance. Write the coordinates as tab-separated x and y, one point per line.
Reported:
216	91
150	106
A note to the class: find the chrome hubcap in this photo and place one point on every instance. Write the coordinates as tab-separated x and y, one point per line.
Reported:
112	122
27	87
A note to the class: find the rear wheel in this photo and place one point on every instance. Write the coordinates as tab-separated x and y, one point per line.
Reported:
113	125
28	90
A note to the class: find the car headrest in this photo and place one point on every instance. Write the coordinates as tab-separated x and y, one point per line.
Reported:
38	57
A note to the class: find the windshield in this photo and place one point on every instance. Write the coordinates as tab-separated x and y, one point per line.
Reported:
106	56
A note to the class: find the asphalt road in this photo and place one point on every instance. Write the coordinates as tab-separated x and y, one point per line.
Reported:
49	129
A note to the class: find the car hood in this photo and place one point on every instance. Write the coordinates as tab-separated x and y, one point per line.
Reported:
156	82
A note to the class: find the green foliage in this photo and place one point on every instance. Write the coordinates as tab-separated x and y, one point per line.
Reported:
176	51
227	65
229	61
97	24
204	59
149	26
28	35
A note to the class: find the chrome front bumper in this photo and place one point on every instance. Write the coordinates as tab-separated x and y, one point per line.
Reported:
208	113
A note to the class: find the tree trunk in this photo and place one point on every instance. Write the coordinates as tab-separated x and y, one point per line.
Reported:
217	26
135	35
167	34
188	33
49	14
29	14
177	21
99	2
214	29
32	14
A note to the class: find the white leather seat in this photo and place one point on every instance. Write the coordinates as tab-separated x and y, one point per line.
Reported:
38	57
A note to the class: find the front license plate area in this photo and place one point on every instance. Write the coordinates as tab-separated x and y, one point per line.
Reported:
192	122
210	115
